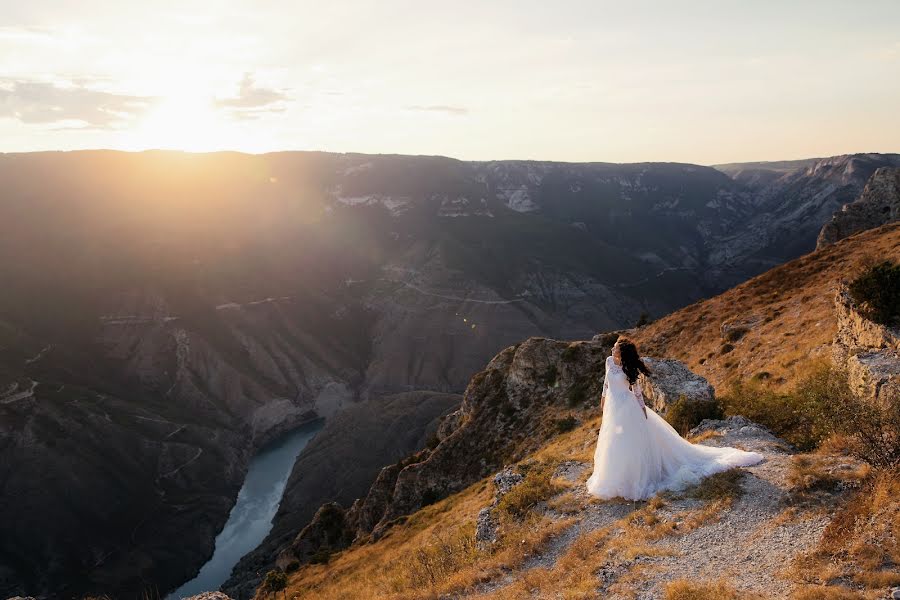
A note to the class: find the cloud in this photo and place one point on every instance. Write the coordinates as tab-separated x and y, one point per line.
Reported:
456	111
40	102
253	101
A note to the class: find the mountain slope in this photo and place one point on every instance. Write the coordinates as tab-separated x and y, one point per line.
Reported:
568	544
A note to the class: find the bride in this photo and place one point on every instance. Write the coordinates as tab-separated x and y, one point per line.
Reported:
639	454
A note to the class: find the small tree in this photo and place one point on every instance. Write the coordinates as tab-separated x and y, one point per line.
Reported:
877	292
276	581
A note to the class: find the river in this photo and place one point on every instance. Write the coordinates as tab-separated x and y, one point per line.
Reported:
251	518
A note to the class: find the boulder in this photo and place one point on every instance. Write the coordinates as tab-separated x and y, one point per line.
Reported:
670	380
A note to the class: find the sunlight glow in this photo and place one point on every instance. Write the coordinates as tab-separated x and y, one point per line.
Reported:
184	121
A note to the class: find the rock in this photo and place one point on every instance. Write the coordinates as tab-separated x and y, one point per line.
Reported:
868	351
486	526
26	598
895	593
878	204
506	480
670	380
209	596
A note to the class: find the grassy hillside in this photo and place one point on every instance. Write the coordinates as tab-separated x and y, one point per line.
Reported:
771	325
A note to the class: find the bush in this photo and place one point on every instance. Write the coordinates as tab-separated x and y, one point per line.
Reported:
736	334
570	354
874	429
804	416
274	582
686	414
643	320
549	376
877	293
565	424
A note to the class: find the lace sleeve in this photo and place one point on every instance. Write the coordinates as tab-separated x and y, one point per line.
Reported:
638	395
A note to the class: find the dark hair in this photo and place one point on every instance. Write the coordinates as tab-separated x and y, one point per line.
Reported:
632	364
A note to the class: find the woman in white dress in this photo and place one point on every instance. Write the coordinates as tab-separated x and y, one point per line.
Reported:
638	453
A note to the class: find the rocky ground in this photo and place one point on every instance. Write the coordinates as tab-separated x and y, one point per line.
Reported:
749	541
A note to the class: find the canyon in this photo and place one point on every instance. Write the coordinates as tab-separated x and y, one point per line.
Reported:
164	316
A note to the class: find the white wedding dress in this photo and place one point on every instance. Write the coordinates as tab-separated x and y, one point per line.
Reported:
637	457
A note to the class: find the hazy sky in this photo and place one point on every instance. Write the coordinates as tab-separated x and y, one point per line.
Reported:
697	81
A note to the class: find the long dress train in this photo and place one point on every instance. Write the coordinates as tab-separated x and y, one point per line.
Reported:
637	457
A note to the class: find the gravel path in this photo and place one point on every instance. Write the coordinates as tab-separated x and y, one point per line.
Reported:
747	544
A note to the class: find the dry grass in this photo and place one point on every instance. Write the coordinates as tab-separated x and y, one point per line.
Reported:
537	487
796	298
706	435
720	487
862	543
830	593
814	478
683	589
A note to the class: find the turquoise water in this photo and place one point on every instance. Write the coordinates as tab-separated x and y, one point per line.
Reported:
251	518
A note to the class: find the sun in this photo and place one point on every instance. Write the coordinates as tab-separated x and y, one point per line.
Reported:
185	121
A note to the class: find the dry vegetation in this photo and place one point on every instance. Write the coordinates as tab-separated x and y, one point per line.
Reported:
683	589
859	555
788	314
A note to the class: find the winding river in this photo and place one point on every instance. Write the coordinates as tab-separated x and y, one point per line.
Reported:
251	518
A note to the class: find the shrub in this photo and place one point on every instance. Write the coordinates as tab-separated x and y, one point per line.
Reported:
319	557
686	414
735	334
726	348
536	487
565	424
549	376
570	354
644	319
877	293
873	428
804	416
274	582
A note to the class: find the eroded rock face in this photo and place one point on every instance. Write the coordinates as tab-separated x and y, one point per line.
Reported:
868	351
670	380
878	204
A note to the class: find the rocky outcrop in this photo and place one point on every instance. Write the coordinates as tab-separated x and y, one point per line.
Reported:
487	525
878	204
671	380
868	351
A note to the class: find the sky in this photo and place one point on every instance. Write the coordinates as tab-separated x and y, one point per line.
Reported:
703	81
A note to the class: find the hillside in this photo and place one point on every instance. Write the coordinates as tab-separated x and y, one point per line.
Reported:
428	528
770	325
